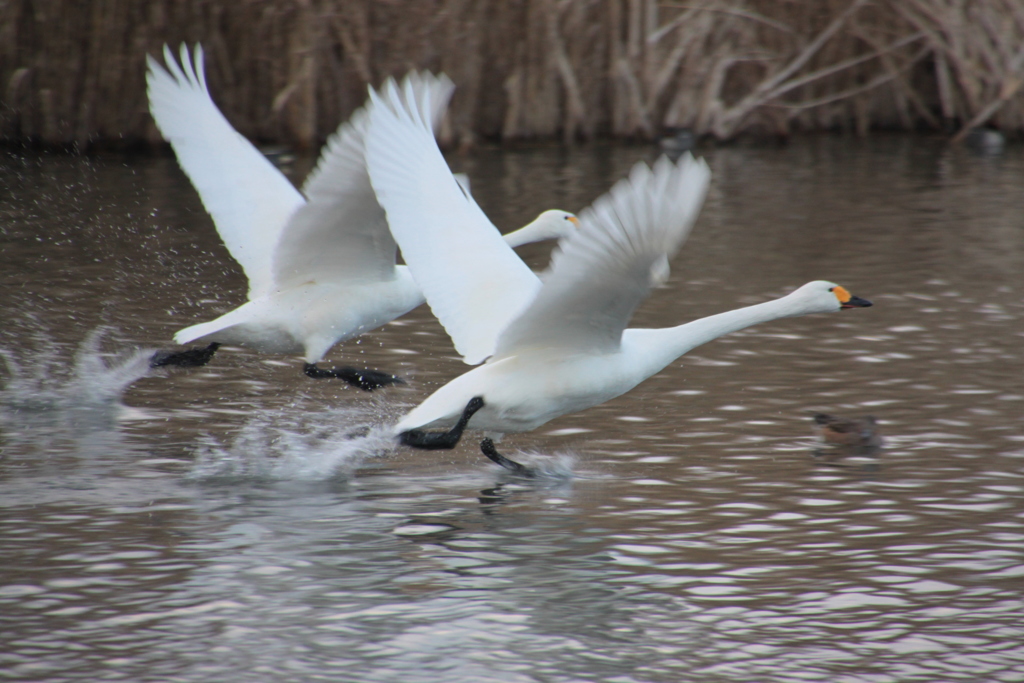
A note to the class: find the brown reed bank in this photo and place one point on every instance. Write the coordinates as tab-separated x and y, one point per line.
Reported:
72	73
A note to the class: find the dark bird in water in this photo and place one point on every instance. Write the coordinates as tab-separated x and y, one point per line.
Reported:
985	141
843	431
676	140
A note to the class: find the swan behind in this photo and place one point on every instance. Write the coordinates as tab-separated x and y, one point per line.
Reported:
321	263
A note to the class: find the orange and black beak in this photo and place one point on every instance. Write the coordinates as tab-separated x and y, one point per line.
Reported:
856	302
847	300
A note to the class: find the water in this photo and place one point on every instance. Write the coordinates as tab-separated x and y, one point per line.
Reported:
241	522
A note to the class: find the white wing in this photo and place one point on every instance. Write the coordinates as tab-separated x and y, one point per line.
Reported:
474	282
607	268
341	234
463	180
250	200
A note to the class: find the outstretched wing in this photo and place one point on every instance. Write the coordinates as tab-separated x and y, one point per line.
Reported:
607	268
250	200
474	282
341	234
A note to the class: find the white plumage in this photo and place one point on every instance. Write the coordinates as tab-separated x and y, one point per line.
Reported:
320	263
559	345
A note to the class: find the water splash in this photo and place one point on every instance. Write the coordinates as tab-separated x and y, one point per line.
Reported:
554	469
281	444
42	388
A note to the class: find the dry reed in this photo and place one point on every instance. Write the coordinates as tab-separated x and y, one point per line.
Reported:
72	73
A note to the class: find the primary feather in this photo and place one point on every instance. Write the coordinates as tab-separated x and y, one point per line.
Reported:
249	200
604	271
474	282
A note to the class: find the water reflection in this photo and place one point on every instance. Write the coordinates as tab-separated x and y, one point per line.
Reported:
250	524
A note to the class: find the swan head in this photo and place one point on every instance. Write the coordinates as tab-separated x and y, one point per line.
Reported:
553	224
822	296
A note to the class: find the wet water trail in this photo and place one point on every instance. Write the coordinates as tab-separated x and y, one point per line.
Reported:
241	522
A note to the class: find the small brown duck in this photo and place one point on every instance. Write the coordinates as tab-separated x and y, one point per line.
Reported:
842	431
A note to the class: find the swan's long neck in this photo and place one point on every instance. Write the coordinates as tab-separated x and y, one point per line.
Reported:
535	231
655	349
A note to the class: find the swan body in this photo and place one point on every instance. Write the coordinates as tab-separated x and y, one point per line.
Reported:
322	314
320	263
559	345
525	389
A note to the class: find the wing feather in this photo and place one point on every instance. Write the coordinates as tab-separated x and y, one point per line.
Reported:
605	270
474	282
249	200
341	234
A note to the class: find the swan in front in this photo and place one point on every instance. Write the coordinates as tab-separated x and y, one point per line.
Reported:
557	344
321	263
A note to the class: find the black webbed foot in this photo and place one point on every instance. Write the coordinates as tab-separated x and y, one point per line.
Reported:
367	380
419	438
487	446
189	358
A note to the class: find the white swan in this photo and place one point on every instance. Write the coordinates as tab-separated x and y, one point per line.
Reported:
320	264
554	346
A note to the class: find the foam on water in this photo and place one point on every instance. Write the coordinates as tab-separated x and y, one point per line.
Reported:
281	444
557	467
293	443
86	393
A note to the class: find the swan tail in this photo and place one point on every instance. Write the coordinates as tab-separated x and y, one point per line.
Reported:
194	332
242	315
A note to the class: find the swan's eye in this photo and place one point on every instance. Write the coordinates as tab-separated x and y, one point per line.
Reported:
840	293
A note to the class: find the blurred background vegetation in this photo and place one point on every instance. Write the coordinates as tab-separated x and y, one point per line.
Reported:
72	72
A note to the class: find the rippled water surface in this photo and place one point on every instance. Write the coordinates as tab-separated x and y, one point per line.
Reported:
241	522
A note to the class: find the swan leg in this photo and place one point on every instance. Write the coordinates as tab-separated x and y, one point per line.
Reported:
487	446
189	358
419	438
367	380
